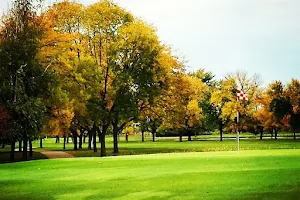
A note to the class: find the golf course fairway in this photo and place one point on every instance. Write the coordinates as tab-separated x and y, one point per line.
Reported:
257	174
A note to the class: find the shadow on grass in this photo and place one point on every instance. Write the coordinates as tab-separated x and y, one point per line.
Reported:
286	192
5	157
51	190
128	151
216	185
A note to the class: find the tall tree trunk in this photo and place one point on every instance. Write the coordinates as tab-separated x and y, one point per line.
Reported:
103	148
272	133
12	151
294	134
180	138
30	149
276	131
115	137
143	136
20	145
80	141
95	141
3	145
95	138
90	140
261	133
189	135
65	140
221	131
84	138
153	136
57	139
102	135
75	139
116	147
25	146
41	142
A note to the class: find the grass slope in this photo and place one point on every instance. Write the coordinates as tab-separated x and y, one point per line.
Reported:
171	145
162	145
268	174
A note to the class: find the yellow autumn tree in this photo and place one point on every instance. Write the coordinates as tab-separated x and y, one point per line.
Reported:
182	110
293	92
225	98
152	112
263	115
65	51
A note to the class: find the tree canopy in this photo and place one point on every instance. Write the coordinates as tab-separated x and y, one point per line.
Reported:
75	70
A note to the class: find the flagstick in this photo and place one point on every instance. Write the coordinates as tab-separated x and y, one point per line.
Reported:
237	129
238	133
242	96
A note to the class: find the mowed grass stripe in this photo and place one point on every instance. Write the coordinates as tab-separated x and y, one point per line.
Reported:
269	174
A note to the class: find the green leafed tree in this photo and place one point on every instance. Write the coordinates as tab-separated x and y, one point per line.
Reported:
24	82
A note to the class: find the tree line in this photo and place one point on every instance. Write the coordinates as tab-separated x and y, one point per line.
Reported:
91	71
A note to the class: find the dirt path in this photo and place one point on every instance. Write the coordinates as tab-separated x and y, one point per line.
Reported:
57	154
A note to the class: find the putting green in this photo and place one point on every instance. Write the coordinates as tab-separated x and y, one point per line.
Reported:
268	174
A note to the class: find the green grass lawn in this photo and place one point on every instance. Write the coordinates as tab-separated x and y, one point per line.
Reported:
162	145
171	145
135	148
259	174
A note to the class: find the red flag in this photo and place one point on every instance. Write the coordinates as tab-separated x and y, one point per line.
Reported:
241	95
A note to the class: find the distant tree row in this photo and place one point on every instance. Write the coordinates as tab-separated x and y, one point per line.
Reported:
92	71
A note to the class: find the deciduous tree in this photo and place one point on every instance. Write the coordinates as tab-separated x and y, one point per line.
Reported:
23	79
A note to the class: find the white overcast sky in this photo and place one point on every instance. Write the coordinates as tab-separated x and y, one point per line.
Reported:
257	36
